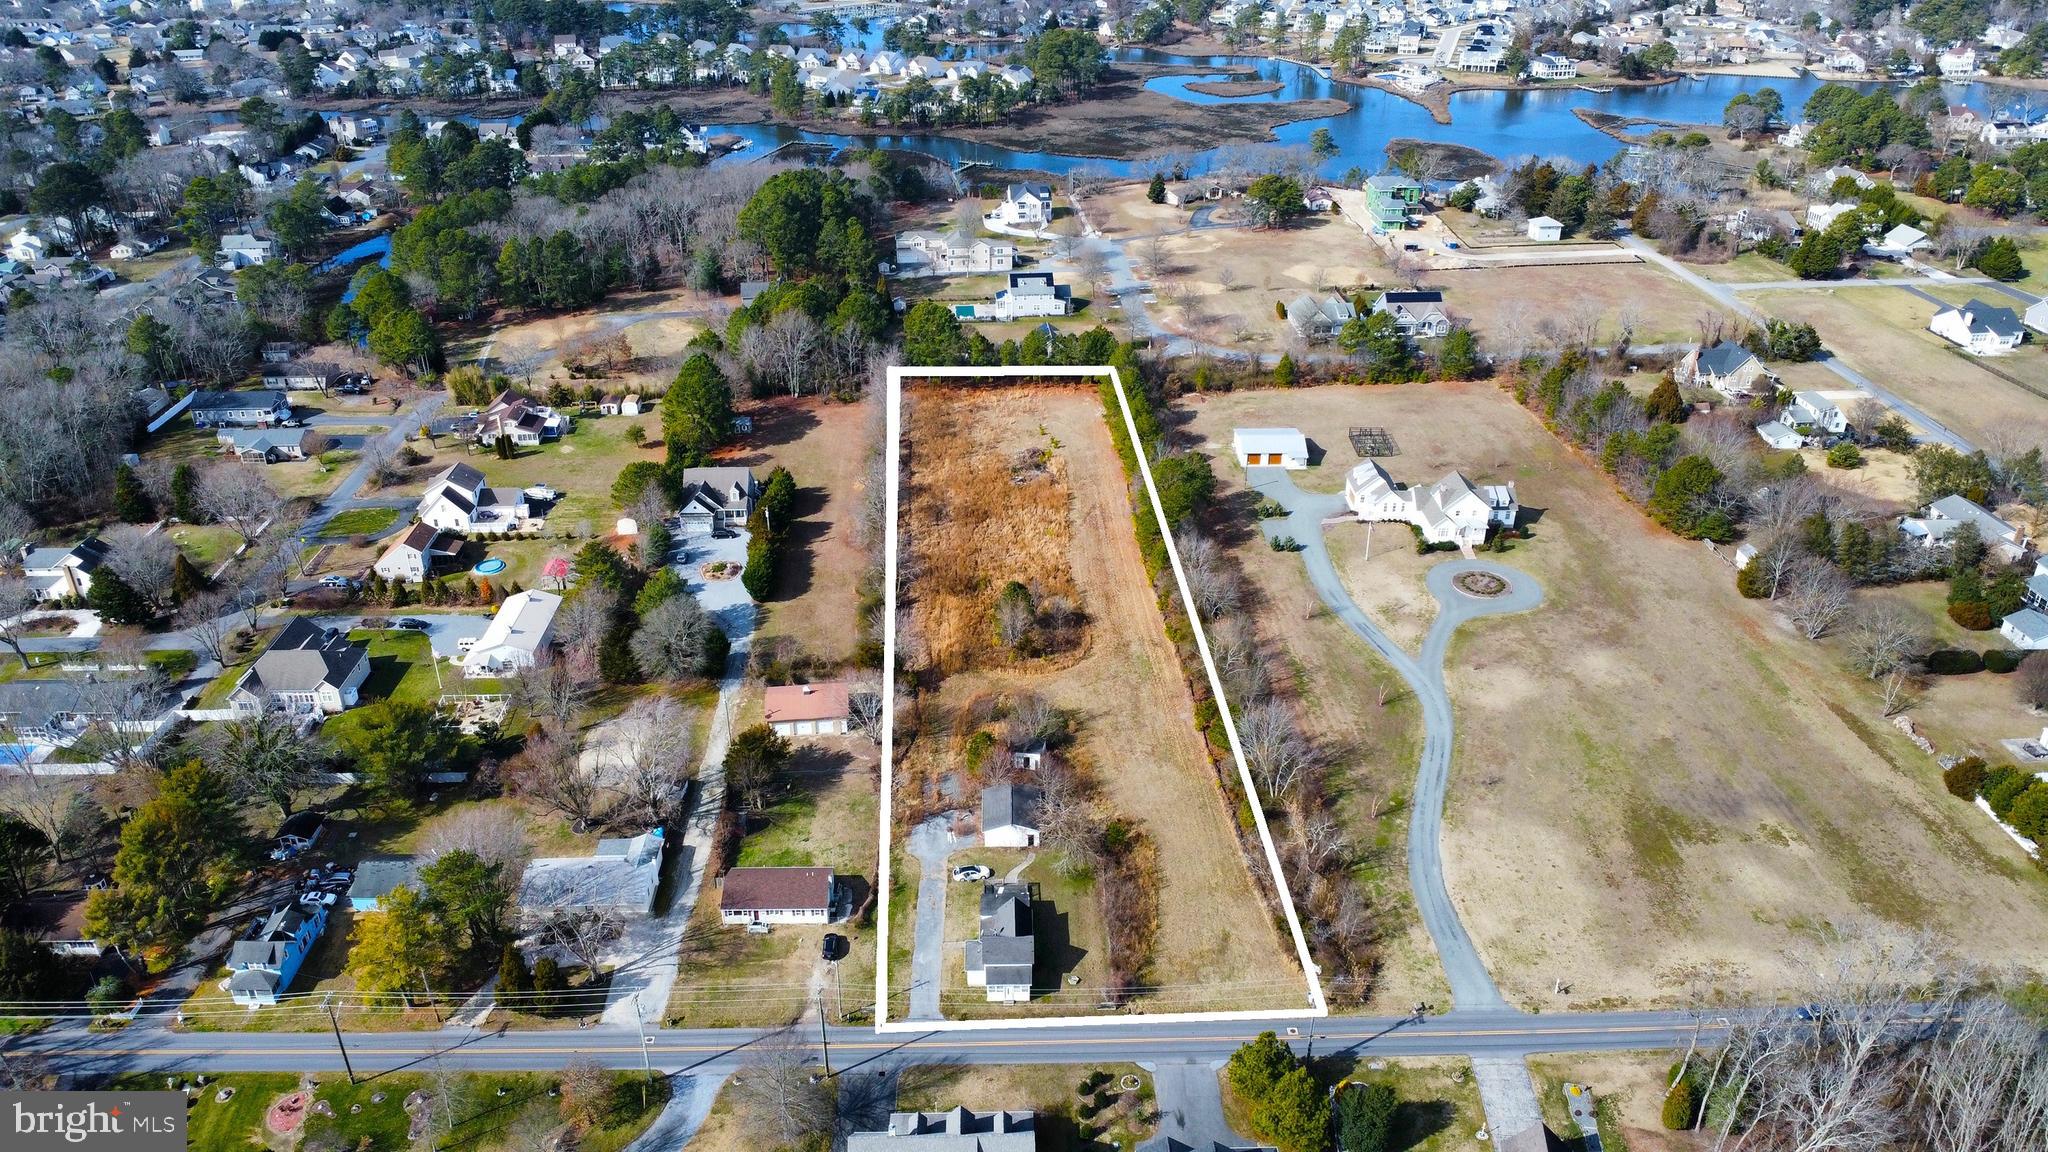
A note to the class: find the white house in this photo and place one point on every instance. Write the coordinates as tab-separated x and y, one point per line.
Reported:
1030	294
715	498
1980	329
1025	205
64	573
1957	63
242	250
1000	957
458	500
808	709
1550	66
1727	368
621	876
411	556
1417	313
1450	511
1940	520
1009	816
1899	243
930	254
1269	447
1545	229
1781	436
950	1131
1318	320
2037	315
777	896
520	418
2026	629
307	671
1811	411
517	635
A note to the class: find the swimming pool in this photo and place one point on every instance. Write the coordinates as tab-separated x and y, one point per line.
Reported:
490	567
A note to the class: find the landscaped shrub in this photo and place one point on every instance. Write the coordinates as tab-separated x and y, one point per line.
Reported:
1954	662
2003	660
1365	1117
1681	1105
1964	777
1972	614
2001	786
1753	582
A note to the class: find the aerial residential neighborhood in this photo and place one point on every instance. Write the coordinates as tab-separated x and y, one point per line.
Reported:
1314	575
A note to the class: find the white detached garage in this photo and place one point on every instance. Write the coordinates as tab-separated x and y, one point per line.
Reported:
1269	447
807	709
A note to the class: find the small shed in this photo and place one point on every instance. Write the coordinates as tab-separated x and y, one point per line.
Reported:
376	879
1546	229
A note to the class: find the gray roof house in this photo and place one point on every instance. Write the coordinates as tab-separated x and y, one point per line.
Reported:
262	964
62	573
55	713
1727	368
307	670
270	445
1319	319
376	879
956	1131
249	407
1009	815
1419	313
717	498
1980	329
1940	520
1000	958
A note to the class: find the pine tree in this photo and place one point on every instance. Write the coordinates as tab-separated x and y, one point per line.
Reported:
185	494
131	503
186	580
1285	373
400	597
547	984
470	591
116	601
1156	191
374	589
513	976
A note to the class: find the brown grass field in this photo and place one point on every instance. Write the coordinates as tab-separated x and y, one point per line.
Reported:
1133	714
1628	1088
1507	305
1883	333
1651	773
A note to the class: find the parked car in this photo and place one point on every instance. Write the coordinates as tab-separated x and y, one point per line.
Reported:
415	624
834	947
967	873
346	583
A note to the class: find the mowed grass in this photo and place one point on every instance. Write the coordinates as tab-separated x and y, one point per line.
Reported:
1439	1109
733	978
401	666
483	1111
1683	781
1883	334
1628	1096
582	465
361	522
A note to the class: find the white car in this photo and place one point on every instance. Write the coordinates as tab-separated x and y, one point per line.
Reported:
967	873
542	492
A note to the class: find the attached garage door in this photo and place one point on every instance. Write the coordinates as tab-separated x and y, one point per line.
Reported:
1273	458
806	727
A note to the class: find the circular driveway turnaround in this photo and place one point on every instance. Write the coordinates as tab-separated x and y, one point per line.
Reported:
1472	987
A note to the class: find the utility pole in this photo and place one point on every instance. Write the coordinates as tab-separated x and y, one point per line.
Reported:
338	1044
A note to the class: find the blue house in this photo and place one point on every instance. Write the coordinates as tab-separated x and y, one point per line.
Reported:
262	964
376	879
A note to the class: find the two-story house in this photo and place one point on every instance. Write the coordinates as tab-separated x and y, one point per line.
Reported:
307	671
261	965
716	498
458	500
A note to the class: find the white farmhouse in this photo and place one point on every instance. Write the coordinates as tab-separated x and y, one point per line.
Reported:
1450	511
1025	205
517	635
458	500
1269	447
1980	329
411	556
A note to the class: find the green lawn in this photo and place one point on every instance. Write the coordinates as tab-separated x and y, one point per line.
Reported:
582	465
360	522
241	654
401	666
485	1112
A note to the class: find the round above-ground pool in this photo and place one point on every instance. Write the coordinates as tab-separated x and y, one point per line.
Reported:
490	567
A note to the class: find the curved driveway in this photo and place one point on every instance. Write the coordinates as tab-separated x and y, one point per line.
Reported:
1471	985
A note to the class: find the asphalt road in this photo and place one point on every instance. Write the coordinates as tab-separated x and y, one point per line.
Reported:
1726	296
1472	987
142	1047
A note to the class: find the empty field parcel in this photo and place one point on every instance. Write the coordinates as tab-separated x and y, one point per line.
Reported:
1650	774
1034	662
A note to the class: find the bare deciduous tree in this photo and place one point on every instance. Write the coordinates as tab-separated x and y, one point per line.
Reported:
1816	597
208	619
779	1094
238	496
1886	637
864	707
1279	756
494	834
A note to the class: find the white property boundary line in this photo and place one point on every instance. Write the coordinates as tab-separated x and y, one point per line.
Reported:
1318	1006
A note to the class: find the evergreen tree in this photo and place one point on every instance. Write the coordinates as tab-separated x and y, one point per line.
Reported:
1999	258
513	976
187	580
116	601
131	503
1458	359
1664	403
185	494
1285	373
548	984
1156	191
